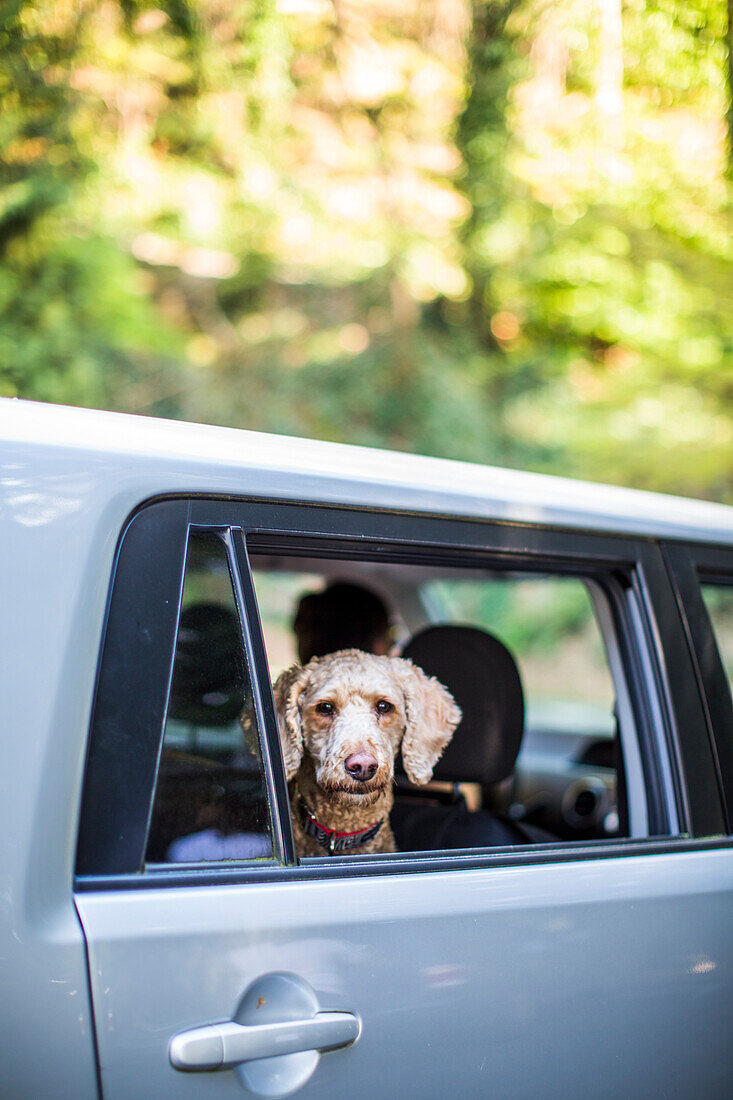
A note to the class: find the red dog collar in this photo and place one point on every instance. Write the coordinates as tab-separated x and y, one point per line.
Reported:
332	840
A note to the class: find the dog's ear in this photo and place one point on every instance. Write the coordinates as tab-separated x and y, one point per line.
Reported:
286	692
432	716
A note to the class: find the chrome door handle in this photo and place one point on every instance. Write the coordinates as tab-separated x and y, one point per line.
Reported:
221	1046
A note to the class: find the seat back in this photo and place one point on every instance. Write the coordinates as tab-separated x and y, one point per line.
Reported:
482	676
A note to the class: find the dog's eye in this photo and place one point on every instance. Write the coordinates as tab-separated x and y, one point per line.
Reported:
384	707
325	708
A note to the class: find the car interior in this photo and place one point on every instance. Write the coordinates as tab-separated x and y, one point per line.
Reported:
544	752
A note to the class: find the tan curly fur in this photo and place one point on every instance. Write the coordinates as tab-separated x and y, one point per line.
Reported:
315	746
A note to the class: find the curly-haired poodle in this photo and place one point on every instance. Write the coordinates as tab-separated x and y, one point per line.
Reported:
342	719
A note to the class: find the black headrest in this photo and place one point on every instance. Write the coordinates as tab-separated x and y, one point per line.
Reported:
208	674
482	676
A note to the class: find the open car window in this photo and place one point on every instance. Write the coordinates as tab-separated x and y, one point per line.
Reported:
567	779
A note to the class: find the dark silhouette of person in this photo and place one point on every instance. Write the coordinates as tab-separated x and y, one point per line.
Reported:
342	616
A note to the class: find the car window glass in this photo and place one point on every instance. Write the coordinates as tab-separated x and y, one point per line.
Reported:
719	603
210	799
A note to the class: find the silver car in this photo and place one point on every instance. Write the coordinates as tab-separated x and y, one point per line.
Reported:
557	920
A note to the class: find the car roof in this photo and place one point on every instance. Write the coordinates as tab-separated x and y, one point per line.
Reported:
158	456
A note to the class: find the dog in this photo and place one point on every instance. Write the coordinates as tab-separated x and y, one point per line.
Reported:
342	719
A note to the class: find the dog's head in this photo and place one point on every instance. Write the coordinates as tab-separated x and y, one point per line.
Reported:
350	711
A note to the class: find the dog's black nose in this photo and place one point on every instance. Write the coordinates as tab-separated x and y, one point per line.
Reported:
361	766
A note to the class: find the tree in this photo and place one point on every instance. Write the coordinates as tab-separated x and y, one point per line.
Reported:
497	232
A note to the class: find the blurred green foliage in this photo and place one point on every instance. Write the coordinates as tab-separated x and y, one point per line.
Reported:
497	231
529	616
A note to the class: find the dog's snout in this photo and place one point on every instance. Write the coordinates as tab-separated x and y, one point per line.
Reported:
361	766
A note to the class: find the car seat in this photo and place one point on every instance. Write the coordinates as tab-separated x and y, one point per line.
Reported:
483	678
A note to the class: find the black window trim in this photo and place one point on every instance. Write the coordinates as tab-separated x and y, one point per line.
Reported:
690	566
394	535
254	650
115	763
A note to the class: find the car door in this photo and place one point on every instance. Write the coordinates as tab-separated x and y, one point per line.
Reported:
510	972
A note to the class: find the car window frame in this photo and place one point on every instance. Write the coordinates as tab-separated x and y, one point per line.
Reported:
691	565
649	631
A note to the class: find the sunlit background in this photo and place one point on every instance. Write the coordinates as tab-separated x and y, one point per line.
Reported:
490	231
